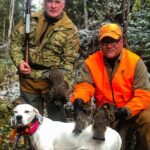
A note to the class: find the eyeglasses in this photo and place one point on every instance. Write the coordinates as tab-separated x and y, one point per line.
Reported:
111	42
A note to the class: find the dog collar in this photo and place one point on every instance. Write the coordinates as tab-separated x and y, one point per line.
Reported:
29	129
33	127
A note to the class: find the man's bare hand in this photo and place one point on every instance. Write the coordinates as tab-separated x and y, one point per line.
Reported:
24	67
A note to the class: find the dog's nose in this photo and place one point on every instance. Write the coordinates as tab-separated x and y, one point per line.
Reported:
19	118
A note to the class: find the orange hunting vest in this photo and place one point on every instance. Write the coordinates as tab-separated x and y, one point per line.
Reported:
121	84
119	91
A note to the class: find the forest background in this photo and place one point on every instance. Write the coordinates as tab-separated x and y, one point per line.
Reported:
88	16
132	15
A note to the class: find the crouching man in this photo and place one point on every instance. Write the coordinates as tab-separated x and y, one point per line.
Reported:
117	76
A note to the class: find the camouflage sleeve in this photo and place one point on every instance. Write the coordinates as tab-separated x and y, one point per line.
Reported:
16	44
70	53
84	75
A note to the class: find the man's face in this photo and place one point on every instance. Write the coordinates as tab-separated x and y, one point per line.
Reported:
54	8
111	47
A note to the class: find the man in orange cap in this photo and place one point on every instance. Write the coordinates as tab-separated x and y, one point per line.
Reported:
119	77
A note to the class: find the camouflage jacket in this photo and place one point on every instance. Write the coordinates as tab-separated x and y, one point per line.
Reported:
57	49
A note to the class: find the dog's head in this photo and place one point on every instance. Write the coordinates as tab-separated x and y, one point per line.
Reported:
23	115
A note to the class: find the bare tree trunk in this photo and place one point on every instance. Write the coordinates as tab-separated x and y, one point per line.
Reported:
4	31
125	12
85	14
11	15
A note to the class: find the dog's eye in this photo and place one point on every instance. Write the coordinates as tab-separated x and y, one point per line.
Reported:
15	111
27	111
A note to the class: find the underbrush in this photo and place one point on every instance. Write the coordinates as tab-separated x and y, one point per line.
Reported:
7	70
5	127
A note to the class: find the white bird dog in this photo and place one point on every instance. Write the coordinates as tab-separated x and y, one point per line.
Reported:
46	134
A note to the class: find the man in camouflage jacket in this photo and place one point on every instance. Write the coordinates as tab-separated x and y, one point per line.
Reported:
53	44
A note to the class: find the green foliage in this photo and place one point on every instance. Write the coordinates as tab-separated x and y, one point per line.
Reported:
140	4
148	3
98	11
139	34
133	15
2	71
4	14
137	5
19	10
6	67
5	127
76	12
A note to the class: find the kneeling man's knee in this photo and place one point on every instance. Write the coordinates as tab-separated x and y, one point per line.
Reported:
143	117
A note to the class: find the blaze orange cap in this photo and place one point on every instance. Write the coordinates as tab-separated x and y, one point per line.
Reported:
110	30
